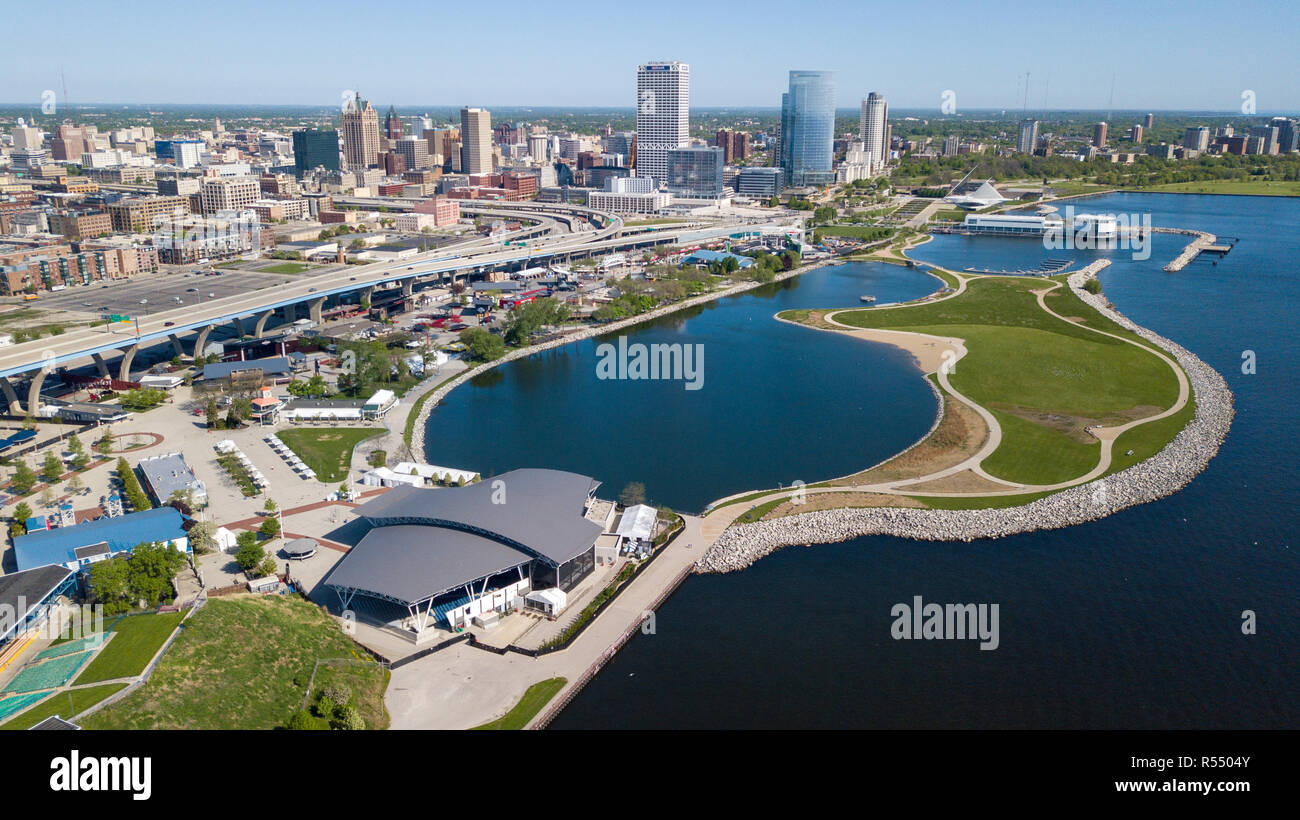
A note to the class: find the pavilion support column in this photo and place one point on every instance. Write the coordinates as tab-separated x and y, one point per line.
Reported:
124	367
11	396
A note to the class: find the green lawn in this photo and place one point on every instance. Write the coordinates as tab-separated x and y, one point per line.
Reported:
1228	186
242	663
868	232
327	450
285	267
135	641
65	704
537	696
1037	374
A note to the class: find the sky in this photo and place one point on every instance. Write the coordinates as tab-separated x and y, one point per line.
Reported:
1187	55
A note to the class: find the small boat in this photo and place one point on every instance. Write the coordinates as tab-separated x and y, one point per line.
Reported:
868	299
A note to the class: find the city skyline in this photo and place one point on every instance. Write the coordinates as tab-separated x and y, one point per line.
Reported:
1063	74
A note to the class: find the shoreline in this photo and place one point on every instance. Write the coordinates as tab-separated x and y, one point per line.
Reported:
440	393
1159	476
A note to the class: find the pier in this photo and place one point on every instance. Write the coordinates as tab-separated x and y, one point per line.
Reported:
1202	242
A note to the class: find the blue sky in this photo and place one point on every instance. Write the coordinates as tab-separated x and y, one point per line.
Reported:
1163	55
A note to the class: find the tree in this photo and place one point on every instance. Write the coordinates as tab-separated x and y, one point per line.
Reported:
24	478
76	484
75	445
151	569
47	496
270	527
270	506
268	566
481	345
105	443
213	414
633	493
51	467
203	537
250	553
109	585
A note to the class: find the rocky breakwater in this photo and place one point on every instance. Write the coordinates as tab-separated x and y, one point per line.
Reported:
1161	475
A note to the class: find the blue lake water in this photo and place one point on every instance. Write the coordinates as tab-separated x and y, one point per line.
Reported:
777	403
1133	621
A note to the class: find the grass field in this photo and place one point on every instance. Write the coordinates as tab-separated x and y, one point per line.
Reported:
65	704
870	233
537	696
242	663
327	450
1042	378
135	641
285	267
1227	186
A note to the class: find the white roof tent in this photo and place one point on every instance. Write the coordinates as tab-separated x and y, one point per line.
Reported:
432	550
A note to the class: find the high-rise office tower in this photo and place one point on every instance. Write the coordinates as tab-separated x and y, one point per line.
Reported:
1286	134
538	145
392	124
808	128
360	134
1099	135
873	128
476	141
1197	138
1149	121
1028	136
314	148
663	111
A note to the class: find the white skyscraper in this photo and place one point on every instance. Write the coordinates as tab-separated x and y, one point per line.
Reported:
874	126
663	113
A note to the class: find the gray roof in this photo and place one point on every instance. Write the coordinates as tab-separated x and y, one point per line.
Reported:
166	474
272	365
428	541
412	563
300	546
24	591
542	510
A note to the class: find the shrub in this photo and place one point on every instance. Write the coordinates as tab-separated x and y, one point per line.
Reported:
305	721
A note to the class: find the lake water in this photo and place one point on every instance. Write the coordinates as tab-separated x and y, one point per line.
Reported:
1132	621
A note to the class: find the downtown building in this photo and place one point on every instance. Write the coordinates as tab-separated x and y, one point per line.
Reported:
476	141
695	172
315	148
873	128
808	129
360	134
1028	137
662	115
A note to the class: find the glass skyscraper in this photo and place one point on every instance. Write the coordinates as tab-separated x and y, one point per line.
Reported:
315	148
695	171
808	128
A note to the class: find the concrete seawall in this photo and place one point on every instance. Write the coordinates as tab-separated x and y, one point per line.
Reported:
1163	474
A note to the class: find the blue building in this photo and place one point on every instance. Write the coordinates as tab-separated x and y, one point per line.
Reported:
704	258
695	171
808	128
77	546
315	148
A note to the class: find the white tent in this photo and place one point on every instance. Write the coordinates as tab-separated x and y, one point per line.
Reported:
550	601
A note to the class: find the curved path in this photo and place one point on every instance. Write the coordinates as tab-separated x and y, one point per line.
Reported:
718	518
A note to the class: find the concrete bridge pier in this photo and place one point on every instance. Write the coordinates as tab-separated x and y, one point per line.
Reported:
239	327
124	366
11	395
408	287
201	341
176	344
290	313
100	364
315	309
366	293
262	319
34	390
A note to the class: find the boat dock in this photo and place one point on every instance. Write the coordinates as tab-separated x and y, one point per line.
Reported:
1202	242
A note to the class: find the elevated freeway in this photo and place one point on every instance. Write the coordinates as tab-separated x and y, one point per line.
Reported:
543	243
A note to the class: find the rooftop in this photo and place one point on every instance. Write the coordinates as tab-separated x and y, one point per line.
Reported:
60	545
